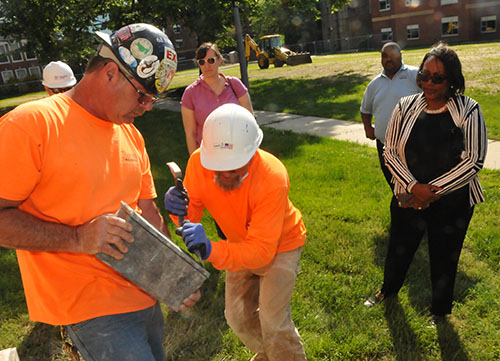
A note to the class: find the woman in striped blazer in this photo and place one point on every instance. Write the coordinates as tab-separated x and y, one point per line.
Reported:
435	147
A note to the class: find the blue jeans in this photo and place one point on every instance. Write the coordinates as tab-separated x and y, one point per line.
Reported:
129	336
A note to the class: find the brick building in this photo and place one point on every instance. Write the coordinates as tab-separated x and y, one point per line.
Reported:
17	64
370	23
423	22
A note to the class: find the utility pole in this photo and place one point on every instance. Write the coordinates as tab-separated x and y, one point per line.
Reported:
241	48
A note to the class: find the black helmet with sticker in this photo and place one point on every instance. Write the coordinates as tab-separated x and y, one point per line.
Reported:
143	51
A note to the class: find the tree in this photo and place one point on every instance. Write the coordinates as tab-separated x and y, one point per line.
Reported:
54	29
62	29
298	20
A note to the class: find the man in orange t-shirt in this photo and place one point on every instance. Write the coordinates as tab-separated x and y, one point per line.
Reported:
245	189
66	162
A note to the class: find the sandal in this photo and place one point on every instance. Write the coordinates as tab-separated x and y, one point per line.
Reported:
374	300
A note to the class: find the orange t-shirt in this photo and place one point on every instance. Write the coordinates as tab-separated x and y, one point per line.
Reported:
69	167
258	218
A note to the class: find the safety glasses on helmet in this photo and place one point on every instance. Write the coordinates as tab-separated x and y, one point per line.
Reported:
436	78
143	97
209	61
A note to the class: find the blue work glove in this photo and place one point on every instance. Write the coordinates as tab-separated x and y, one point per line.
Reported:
194	237
176	202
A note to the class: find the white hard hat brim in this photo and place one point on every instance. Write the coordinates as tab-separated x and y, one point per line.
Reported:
70	82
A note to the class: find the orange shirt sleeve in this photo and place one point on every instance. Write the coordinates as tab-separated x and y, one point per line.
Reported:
264	232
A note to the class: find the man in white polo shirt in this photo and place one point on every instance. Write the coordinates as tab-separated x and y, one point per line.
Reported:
397	80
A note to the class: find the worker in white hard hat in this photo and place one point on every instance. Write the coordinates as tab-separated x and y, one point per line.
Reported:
58	77
245	189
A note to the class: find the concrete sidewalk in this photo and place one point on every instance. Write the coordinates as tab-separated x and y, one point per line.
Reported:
325	127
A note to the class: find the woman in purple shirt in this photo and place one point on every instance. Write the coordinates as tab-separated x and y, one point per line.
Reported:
208	92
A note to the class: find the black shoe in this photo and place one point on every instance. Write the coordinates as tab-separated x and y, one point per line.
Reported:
374	300
436	320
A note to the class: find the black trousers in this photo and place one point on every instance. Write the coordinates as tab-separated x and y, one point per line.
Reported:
385	170
446	222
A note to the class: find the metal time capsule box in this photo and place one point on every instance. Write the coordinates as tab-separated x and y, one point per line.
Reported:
156	264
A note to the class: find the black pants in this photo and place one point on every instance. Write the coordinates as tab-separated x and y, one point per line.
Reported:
446	222
385	170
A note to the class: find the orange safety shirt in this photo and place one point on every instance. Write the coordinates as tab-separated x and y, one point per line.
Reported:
68	167
257	218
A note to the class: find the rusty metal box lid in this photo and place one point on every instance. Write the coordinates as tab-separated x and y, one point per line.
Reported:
156	264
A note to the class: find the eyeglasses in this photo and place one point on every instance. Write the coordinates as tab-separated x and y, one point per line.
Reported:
60	90
209	61
143	97
436	78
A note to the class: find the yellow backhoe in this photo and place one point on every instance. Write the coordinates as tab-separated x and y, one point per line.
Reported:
272	51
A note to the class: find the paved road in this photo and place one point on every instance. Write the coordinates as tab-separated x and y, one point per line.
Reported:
325	127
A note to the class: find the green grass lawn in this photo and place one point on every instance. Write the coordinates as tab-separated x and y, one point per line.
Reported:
344	200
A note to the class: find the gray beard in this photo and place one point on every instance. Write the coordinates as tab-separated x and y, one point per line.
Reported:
229	187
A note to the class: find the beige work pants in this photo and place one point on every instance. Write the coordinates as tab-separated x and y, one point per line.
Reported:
258	308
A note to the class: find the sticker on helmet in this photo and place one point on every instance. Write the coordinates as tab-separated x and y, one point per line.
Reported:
124	33
165	67
148	66
127	57
163	82
171	55
141	48
137	27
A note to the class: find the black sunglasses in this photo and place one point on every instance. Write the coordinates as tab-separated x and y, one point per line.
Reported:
436	78
142	96
209	61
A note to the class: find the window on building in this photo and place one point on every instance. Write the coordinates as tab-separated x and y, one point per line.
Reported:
489	24
449	26
7	75
386	34
412	32
412	3
35	72
446	2
28	54
178	43
15	52
176	29
384	4
21	73
3	53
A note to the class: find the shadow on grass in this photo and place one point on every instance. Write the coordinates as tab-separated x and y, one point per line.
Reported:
197	334
451	346
12	301
43	342
406	345
329	96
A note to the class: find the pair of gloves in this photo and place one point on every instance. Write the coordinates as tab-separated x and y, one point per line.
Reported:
193	234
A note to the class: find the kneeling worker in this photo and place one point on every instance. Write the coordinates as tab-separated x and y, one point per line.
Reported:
245	189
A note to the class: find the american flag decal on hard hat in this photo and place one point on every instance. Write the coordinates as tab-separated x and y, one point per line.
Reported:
224	146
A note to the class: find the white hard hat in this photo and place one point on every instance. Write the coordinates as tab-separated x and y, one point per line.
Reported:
231	137
58	75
